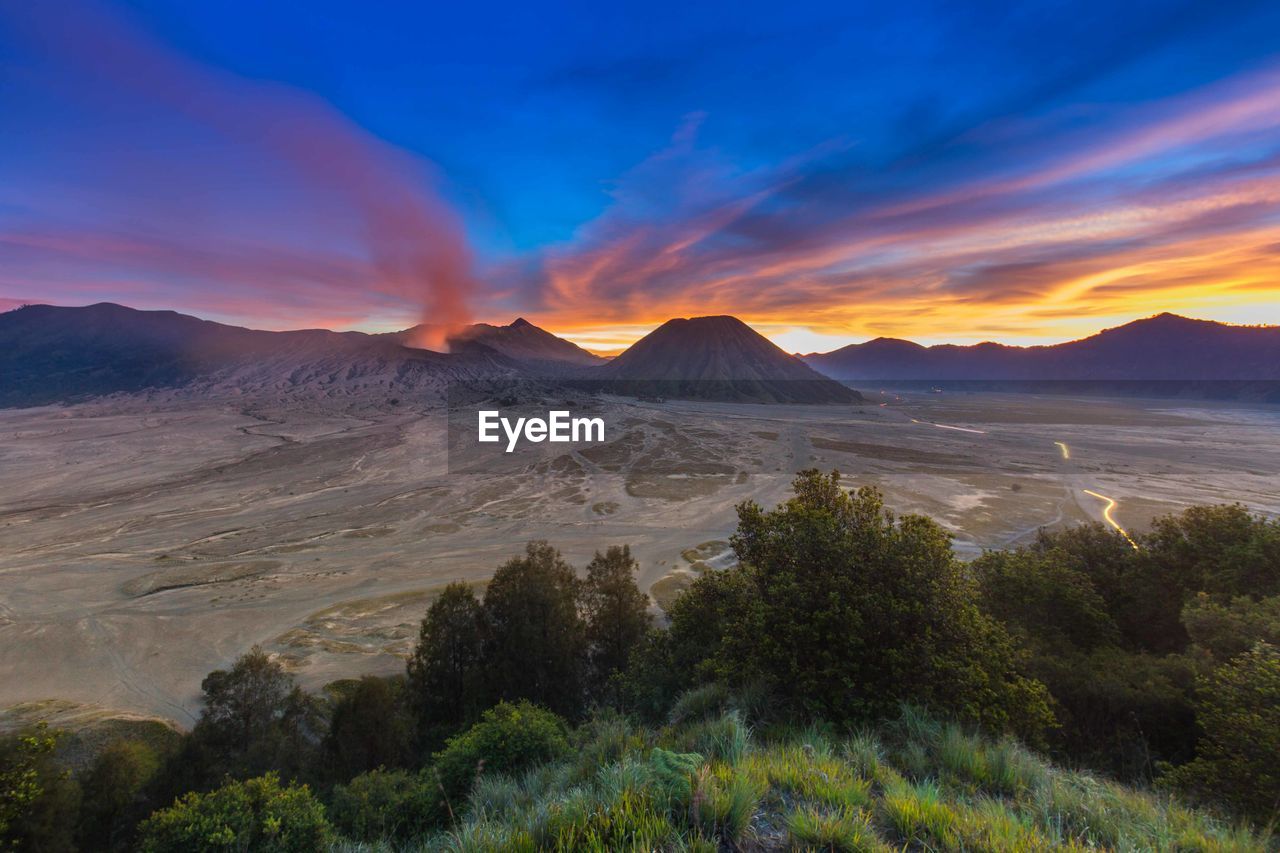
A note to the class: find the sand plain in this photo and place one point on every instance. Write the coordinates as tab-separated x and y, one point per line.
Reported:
142	546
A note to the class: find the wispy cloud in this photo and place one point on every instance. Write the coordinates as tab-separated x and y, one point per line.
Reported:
384	235
1173	204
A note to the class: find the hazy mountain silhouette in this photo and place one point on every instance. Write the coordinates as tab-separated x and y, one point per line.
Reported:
1164	347
53	354
719	358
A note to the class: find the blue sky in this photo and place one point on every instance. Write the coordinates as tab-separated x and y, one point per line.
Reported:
829	172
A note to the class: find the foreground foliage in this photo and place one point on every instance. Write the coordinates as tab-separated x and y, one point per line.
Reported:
712	783
1155	664
257	814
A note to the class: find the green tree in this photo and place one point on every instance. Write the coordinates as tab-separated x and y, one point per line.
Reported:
617	614
1222	627
445	670
712	628
21	759
255	720
860	611
255	814
1046	603
115	794
509	738
1217	549
535	639
1238	709
369	728
38	798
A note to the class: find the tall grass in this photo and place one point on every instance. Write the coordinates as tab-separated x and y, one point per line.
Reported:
840	831
709	783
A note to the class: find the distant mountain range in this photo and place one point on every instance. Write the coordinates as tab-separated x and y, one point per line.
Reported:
1165	347
50	354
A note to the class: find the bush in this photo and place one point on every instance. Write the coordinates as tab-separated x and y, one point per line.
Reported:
385	805
508	738
1239	709
256	814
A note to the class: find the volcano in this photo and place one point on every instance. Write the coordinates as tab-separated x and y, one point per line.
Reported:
716	358
534	347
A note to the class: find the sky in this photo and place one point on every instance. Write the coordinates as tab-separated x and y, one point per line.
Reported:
829	173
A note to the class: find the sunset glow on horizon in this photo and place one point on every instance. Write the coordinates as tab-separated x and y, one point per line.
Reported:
919	174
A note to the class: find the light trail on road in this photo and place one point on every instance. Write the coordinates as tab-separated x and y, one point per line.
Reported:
948	426
1106	513
1066	451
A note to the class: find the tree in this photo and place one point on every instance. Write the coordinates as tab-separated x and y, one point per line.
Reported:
617	615
1238	708
255	814
255	719
1217	549
860	611
444	683
712	628
1049	605
1225	627
21	758
38	798
115	794
369	728
535	640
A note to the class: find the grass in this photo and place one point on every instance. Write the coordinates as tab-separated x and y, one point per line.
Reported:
840	831
707	782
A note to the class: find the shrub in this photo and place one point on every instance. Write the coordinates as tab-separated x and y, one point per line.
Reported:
508	738
1239	709
388	805
607	737
256	814
697	703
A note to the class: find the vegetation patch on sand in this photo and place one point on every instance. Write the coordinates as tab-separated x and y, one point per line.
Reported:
665	590
87	729
383	624
195	575
888	452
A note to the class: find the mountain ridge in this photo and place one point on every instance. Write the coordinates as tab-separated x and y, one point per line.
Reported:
1161	347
